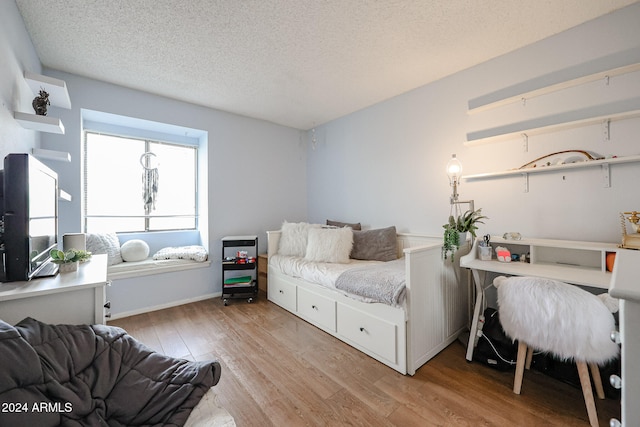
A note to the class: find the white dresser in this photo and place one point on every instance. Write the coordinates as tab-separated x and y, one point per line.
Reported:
76	297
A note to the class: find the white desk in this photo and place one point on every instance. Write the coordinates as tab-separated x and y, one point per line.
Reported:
575	262
73	298
625	285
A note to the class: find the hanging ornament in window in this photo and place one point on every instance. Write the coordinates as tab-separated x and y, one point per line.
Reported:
149	181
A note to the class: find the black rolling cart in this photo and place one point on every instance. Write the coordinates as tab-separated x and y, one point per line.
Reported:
239	268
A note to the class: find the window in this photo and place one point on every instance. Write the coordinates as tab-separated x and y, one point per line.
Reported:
114	191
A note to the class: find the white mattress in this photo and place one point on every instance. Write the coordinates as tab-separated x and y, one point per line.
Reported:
321	273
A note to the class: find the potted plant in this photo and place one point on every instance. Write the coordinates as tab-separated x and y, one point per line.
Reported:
458	227
68	260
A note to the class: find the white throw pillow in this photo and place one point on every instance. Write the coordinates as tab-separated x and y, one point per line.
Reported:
293	240
105	243
134	250
329	245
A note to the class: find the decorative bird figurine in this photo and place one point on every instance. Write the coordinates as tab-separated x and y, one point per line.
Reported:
40	103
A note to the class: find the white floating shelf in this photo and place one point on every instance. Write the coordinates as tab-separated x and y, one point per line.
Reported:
620	110
64	196
552	168
60	156
608	66
56	88
39	123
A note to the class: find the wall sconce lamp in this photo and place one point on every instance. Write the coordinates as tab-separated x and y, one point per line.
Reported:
454	172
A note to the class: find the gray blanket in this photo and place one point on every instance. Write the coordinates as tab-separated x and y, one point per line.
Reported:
383	282
98	375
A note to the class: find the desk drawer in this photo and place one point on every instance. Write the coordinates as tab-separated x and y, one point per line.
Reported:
373	333
317	309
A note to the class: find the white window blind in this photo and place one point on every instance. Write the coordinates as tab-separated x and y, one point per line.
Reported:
114	166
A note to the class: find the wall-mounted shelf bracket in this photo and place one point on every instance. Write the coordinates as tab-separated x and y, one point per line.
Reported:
525	180
606	178
525	142
606	128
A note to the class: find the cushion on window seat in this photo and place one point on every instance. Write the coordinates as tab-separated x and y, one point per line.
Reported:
194	252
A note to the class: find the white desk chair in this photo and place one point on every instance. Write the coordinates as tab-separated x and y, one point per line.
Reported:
561	319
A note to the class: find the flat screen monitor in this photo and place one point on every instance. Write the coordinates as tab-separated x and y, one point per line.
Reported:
30	211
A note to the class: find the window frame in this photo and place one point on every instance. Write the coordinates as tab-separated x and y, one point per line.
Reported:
148	141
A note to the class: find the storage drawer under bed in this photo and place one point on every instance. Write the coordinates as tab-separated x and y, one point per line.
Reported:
317	309
373	333
283	293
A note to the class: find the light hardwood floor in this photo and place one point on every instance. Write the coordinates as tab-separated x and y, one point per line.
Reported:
279	370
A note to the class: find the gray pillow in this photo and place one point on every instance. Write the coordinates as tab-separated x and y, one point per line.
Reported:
339	224
375	245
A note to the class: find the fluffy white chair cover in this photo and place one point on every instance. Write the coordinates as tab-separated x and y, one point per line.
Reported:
556	317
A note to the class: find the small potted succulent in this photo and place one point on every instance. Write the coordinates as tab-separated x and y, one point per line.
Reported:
455	230
68	260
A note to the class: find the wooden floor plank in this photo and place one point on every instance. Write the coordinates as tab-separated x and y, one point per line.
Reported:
278	370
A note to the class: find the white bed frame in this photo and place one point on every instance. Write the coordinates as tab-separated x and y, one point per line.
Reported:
435	313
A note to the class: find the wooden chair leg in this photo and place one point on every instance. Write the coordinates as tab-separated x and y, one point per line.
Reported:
585	382
527	365
520	361
597	380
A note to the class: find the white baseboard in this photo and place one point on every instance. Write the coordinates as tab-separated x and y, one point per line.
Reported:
163	306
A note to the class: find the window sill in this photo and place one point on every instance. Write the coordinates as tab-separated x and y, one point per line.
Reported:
150	267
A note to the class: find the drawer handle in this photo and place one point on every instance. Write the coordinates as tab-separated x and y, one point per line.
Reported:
107	305
107	315
615	337
314	307
615	381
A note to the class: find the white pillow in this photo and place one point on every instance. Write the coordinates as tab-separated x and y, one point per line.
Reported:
105	243
193	252
329	245
134	250
293	240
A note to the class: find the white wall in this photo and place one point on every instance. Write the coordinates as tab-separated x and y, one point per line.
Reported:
385	165
18	54
257	177
245	155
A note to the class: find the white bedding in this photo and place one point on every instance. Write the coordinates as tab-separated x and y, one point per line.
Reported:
320	273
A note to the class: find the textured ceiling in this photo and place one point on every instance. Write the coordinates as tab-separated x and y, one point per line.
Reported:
299	63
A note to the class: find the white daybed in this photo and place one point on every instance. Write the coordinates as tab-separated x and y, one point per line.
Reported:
403	337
